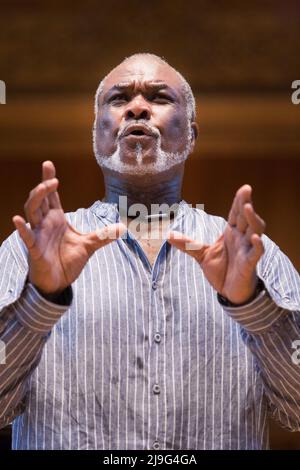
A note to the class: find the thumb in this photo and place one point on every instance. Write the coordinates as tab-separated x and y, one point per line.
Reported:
187	245
104	236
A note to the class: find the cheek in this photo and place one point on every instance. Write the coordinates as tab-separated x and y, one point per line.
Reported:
106	128
106	124
175	131
176	126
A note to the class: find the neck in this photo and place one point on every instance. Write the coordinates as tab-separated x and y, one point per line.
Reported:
147	190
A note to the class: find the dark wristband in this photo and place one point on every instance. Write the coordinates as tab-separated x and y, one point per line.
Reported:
259	288
64	298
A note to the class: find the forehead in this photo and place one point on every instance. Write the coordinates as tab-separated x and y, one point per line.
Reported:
143	70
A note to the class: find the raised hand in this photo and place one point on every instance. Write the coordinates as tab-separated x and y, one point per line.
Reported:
57	252
229	264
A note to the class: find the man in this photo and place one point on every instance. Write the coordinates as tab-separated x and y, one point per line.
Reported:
118	339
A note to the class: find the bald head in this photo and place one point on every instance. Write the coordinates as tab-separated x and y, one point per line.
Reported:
143	63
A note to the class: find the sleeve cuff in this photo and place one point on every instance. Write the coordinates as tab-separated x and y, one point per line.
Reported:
257	316
38	314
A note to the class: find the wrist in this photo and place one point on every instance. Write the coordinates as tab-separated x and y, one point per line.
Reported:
228	303
61	297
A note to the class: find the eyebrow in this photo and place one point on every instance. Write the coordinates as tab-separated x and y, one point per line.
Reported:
154	85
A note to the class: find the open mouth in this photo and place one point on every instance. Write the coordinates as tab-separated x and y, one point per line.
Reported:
138	130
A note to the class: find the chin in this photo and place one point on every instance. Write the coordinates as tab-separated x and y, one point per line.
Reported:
137	148
138	157
141	161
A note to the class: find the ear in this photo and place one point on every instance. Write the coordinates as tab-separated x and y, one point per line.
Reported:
195	129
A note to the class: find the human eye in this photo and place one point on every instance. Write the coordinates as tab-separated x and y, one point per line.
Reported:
161	98
117	98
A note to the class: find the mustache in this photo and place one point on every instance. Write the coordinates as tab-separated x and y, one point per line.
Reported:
151	129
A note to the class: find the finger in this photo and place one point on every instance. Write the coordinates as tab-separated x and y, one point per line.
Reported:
104	236
243	197
248	234
45	206
26	234
37	195
188	245
255	222
257	249
241	223
49	172
33	205
183	242
55	200
236	216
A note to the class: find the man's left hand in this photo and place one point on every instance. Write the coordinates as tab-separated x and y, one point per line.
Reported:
229	264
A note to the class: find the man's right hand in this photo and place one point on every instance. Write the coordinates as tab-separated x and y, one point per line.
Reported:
57	252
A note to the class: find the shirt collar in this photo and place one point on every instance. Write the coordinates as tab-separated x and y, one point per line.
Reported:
109	211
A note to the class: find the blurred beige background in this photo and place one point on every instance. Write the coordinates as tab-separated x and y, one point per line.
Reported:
240	58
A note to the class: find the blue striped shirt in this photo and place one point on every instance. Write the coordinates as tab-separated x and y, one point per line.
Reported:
144	357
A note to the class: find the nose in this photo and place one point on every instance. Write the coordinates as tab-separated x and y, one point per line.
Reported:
138	108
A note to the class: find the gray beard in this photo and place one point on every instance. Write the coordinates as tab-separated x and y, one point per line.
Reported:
163	160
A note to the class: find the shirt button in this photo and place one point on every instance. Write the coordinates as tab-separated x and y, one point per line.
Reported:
154	285
157	338
156	389
156	445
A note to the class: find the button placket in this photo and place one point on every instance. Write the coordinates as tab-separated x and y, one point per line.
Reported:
156	445
157	337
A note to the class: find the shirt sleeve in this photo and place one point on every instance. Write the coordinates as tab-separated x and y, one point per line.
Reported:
26	320
270	327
